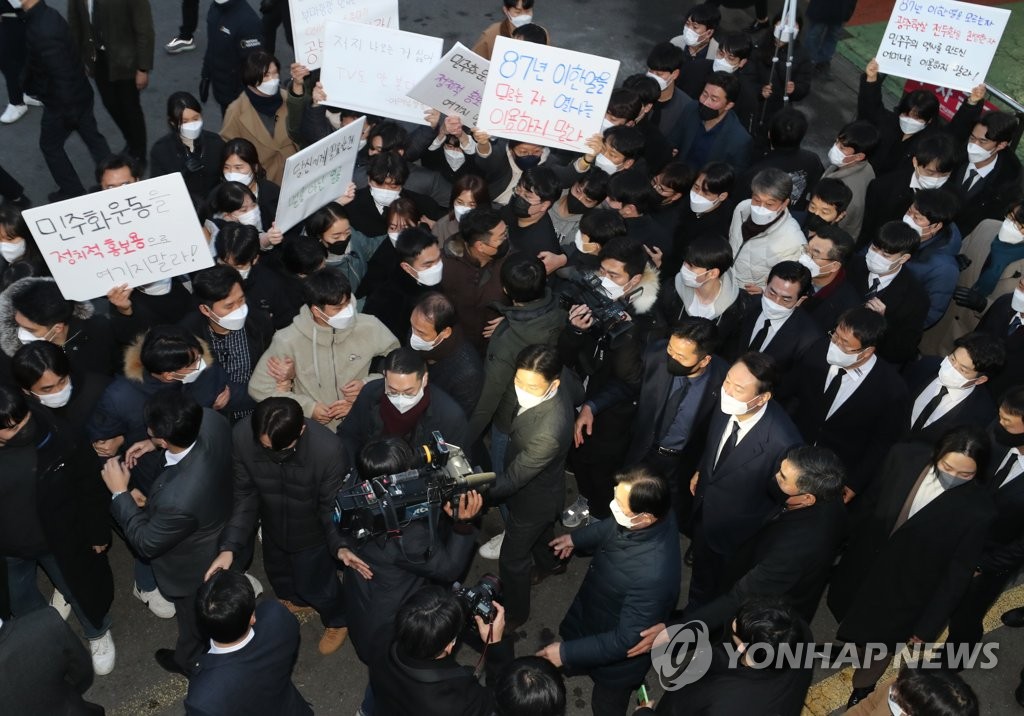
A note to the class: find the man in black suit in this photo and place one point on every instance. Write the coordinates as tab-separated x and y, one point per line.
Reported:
185	510
889	290
945	391
252	651
1004	546
678	395
843	397
44	668
774	323
387	174
826	253
1005	320
746	442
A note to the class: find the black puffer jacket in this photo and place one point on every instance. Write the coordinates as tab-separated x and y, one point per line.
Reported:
54	73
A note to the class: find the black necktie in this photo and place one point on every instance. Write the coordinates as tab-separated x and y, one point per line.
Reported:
1014	325
1004	471
675	399
929	408
969	179
875	283
730	445
832	390
762	335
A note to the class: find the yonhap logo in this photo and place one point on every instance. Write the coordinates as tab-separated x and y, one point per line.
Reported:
681	654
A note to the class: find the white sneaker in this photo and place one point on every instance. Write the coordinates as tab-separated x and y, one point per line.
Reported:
31	101
157	602
576	513
13	113
491	549
103	654
256	585
58	602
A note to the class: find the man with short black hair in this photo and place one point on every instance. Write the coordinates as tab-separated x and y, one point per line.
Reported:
530	230
420	268
935	264
785	135
529	686
825	255
517	13
701	22
118	170
709	130
454	365
387	174
664	64
630	193
848	162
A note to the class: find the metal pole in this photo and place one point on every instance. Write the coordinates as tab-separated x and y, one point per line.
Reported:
789	33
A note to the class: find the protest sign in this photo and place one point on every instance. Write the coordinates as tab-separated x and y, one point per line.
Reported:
546	95
309	16
318	174
941	42
456	86
371	69
134	234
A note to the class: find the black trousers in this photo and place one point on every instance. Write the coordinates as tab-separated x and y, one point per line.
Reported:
307	578
12	56
189	18
965	624
596	481
708	568
57	124
610	700
121	100
525	545
190	644
276	13
9	186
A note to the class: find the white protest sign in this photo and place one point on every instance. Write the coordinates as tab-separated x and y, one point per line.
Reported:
371	69
943	42
546	95
134	234
309	16
318	174
456	86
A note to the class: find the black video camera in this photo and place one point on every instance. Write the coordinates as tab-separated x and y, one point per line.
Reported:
610	316
479	599
384	505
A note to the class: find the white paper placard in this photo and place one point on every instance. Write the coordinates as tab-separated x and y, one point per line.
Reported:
943	42
546	95
455	86
134	234
370	69
318	174
309	16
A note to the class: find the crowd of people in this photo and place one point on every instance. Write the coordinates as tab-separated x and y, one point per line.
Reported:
810	367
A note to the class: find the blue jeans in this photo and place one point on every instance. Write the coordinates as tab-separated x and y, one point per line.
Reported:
368	701
499	446
821	40
145	580
26	597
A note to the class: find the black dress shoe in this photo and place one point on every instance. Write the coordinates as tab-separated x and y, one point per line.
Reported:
538	577
859	695
165	657
1014	618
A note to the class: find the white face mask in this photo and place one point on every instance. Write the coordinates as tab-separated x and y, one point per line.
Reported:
418	344
722	65
605	164
1008	233
839	358
15	4
662	82
393	235
909	221
26	336
251	218
950	377
690	37
191	130
405	403
836	156
613	289
432	275
762	216
56	400
240	177
269	87
690	278
342	319
920	181
194	375
733	406
876	263
157	288
460	211
773	311
806	260
621	518
520	20
909	125
578	241
362	142
529	400
384	197
232	321
12	250
244	273
606	124
1017	302
699	203
977	154
455	158
777	32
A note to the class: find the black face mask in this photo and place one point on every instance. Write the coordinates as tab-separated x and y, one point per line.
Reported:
502	251
24	437
813	223
574	205
1005	438
706	113
527	162
676	368
337	248
520	207
281	456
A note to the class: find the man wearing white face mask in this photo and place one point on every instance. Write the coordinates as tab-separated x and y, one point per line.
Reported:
935	264
418	269
763	232
746	441
698	34
402	404
948	397
387	174
323	358
664	64
516	14
847	159
454	363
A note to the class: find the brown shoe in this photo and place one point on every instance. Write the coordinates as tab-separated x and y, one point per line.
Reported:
332	639
295	608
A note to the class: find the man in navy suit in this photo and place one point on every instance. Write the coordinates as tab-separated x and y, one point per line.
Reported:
248	669
732	489
708	130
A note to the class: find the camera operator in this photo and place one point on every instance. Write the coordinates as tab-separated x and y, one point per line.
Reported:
613	367
389	568
418	672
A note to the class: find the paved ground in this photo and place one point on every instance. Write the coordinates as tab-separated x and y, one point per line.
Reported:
334	684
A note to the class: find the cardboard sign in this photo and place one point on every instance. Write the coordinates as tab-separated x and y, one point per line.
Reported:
134	234
371	69
309	16
318	174
941	42
455	86
546	95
